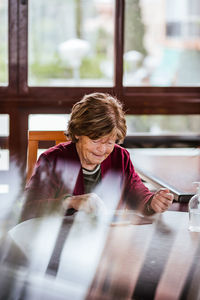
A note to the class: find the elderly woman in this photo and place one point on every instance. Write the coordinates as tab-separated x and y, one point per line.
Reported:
91	172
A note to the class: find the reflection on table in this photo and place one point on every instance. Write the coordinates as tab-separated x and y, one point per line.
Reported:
119	256
175	169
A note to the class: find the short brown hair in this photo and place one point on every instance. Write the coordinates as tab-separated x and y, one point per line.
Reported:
95	116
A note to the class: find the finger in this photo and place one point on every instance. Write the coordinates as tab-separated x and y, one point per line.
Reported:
92	203
162	192
165	194
98	205
168	198
160	204
158	208
165	190
85	207
161	207
163	202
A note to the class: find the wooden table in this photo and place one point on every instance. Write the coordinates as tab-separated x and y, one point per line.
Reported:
175	169
84	258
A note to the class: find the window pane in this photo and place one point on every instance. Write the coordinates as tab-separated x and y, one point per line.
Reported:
48	122
4	160
4	42
163	50
71	42
4	188
159	124
4	125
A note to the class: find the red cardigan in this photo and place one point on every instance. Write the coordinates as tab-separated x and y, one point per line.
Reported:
58	171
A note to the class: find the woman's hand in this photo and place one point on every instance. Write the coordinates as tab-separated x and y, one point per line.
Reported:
161	200
90	203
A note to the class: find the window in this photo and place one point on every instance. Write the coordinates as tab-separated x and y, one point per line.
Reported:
48	122
4	125
194	7
163	50
159	124
71	43
150	63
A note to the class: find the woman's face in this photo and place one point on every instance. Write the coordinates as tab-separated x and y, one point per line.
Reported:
93	152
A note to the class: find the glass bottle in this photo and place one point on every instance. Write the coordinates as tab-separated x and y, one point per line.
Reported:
194	210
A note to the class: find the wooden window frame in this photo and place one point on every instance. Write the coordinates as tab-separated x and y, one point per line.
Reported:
137	100
19	100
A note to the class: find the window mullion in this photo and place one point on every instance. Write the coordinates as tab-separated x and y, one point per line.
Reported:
23	48
13	49
119	44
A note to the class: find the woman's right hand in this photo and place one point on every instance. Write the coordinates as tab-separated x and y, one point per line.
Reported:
90	203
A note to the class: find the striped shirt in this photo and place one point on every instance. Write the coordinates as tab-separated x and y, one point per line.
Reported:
91	179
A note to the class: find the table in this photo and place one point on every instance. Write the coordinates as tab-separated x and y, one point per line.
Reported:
175	169
86	258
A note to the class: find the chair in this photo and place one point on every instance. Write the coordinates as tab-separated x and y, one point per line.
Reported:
34	137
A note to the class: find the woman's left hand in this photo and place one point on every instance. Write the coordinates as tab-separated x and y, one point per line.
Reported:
161	200
90	203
